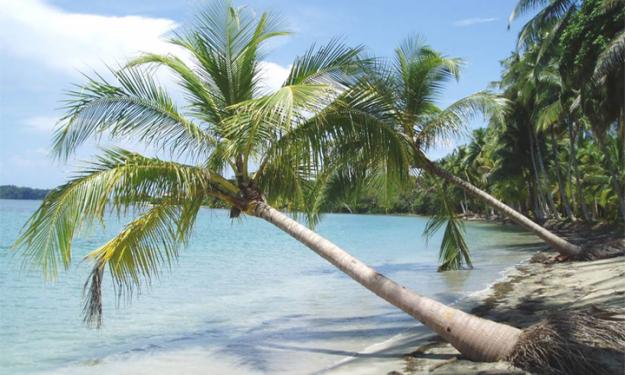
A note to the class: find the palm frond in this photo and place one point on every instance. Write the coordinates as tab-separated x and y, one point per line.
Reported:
201	95
551	8
136	109
138	252
332	64
117	181
552	18
524	6
227	43
612	58
340	183
421	73
354	125
314	84
452	121
548	44
549	115
454	251
259	122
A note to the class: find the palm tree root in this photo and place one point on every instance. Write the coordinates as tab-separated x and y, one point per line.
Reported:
583	342
608	249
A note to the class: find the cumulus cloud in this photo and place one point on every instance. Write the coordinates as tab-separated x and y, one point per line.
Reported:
34	30
69	42
473	21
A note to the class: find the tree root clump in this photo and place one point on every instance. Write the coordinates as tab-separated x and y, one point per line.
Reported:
582	342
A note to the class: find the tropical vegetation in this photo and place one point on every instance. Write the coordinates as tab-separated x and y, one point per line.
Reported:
19	192
559	153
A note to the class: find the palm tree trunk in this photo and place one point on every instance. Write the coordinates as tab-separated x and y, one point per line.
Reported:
466	207
559	244
539	214
579	186
621	138
561	187
545	179
539	204
530	201
476	338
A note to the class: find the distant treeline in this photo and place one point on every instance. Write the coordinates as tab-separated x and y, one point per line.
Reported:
18	192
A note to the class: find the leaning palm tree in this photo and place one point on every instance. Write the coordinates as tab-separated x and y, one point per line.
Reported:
273	143
278	145
409	88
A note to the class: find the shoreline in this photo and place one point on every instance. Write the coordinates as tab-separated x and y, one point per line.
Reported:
526	293
389	358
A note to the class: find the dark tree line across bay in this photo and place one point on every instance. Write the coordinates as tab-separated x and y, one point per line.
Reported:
19	192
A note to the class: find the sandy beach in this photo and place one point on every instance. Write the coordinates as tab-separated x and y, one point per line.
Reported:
524	296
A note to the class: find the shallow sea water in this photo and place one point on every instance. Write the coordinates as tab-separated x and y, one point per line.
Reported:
243	298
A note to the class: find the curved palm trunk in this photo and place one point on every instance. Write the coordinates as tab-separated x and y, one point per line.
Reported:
559	244
545	182
539	203
579	186
561	185
476	338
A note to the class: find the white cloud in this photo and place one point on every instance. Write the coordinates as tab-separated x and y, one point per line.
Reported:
273	75
40	124
70	42
473	21
34	30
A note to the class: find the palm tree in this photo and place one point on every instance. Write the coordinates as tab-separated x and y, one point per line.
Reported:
592	64
587	39
546	26
409	87
611	59
309	128
551	115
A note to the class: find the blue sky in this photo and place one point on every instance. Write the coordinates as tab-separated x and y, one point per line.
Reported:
44	44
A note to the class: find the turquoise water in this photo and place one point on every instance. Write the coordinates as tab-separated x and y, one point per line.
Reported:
243	298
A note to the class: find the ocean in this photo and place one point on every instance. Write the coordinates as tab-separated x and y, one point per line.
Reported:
244	298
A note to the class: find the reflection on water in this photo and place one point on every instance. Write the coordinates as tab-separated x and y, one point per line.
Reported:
455	280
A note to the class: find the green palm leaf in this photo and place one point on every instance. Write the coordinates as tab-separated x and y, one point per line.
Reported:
451	121
454	251
138	252
612	58
137	108
118	180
